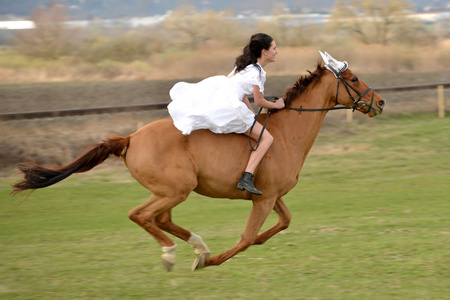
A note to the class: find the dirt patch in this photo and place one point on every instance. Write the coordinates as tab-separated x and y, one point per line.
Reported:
325	229
66	95
337	149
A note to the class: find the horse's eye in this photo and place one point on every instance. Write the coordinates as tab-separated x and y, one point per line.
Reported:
354	79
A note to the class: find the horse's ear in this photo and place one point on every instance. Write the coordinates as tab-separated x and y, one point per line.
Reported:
324	57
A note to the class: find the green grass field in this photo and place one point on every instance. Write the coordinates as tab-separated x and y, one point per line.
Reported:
370	221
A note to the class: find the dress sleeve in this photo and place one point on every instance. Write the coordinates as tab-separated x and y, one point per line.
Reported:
256	77
232	72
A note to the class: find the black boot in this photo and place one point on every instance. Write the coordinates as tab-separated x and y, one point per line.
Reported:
246	183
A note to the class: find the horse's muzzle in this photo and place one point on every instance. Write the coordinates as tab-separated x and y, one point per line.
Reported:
381	103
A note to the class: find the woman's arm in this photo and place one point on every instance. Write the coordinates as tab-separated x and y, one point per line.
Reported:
247	102
261	102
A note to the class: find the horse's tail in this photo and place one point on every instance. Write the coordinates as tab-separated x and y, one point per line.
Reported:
36	177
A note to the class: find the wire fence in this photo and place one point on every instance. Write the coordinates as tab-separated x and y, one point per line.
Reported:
158	106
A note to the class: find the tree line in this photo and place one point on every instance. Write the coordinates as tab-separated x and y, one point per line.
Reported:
186	28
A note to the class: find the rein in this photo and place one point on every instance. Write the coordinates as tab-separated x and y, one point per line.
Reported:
264	126
357	104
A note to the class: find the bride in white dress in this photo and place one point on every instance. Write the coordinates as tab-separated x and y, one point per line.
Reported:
220	103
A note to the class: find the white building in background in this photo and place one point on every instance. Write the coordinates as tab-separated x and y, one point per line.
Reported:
431	17
16	25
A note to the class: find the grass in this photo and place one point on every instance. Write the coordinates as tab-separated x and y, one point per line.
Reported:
217	59
370	221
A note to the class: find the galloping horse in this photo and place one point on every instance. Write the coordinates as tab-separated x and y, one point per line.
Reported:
172	165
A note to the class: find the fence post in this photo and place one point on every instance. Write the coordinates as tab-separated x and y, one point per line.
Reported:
441	102
349	115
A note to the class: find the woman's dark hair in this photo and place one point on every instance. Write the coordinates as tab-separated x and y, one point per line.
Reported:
252	51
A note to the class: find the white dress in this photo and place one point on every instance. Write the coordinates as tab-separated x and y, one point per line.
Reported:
215	103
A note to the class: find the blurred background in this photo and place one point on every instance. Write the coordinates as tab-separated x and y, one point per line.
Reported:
144	39
371	208
93	53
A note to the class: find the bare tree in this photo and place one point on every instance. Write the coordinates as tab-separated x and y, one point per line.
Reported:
192	28
287	29
187	24
371	21
280	22
51	37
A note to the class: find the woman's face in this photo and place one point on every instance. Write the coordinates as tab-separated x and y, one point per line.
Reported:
271	53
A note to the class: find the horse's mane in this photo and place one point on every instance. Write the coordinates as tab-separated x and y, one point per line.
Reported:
301	84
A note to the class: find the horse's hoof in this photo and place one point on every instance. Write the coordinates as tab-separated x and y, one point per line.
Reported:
168	261
199	261
168	265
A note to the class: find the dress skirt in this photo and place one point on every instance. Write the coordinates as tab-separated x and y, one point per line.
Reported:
213	103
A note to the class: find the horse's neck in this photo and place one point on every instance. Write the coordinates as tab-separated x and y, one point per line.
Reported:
301	129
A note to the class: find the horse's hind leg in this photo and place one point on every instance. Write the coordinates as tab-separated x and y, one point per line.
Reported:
284	218
164	222
145	215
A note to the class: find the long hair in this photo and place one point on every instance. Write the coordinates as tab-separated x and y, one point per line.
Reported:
252	51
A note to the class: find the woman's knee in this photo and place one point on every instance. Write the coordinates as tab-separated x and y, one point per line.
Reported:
267	138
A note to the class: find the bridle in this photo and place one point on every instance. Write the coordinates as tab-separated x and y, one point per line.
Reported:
357	104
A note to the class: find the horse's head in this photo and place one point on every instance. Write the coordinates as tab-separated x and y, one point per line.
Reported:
351	90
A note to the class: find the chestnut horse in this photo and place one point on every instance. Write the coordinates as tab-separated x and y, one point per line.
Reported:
172	165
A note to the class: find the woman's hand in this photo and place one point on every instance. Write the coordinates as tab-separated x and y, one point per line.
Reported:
279	103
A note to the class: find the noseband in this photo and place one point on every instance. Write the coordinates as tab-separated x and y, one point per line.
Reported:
357	104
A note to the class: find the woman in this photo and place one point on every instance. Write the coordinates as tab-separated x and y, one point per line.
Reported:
221	105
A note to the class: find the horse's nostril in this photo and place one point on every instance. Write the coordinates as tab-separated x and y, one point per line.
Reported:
381	103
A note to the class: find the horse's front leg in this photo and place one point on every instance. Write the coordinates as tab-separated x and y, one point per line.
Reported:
260	211
284	218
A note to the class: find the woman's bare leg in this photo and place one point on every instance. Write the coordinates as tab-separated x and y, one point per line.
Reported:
246	181
257	155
